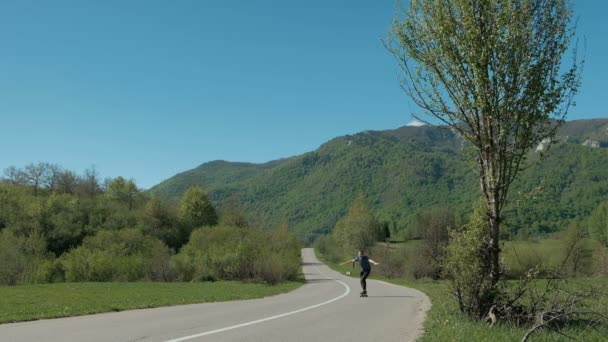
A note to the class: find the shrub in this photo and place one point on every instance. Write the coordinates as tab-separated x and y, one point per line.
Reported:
465	266
20	257
417	264
123	255
432	226
576	252
392	260
50	271
327	246
233	253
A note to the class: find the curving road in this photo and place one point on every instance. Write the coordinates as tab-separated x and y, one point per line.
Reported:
326	308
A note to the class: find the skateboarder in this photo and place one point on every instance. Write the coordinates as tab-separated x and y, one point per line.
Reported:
364	261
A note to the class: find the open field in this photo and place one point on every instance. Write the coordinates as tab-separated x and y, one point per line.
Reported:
30	302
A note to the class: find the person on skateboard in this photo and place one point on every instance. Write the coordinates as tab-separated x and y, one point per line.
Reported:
364	261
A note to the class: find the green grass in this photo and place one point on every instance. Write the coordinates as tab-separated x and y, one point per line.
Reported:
550	251
30	302
445	323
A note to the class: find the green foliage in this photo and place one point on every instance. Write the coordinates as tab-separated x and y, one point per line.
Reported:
64	220
358	230
123	190
20	257
195	210
327	246
232	214
402	172
492	71
545	201
50	271
119	255
598	224
432	226
233	253
576	252
466	266
394	261
160	221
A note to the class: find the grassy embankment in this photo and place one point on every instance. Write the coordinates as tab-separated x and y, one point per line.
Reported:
30	302
445	323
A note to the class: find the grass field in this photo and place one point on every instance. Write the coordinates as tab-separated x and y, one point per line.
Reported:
30	302
445	323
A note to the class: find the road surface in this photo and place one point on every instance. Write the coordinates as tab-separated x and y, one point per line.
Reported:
326	308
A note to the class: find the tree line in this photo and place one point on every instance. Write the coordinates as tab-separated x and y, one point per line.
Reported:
57	225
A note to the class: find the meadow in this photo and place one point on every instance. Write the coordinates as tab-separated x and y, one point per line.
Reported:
42	301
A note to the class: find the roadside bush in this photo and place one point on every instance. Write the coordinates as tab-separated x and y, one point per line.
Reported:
392	260
328	247
466	269
20	257
123	255
233	253
50	271
432	226
279	257
418	265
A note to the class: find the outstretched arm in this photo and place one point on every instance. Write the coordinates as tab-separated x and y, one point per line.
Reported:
373	262
347	261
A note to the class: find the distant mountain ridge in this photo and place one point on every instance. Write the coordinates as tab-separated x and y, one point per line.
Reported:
403	171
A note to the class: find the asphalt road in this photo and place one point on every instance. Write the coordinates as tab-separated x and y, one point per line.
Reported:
327	308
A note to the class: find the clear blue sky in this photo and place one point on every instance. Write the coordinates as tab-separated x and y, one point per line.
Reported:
145	89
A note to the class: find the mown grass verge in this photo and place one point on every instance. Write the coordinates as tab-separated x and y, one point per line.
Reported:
31	302
444	322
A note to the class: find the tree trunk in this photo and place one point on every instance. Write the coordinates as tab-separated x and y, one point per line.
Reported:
493	253
491	195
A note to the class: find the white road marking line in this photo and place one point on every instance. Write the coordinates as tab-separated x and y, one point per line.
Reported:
211	332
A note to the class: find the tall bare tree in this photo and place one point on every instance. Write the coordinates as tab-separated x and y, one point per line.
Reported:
14	176
493	71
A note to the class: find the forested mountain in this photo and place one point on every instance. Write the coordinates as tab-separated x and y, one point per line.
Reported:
404	171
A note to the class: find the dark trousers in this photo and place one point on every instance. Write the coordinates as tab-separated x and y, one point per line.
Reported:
363	275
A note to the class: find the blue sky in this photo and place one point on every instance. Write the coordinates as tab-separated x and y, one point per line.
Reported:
146	89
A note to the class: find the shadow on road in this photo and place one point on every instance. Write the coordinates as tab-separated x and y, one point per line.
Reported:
391	296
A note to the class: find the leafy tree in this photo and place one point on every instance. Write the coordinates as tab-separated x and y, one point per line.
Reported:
160	221
491	70
358	230
63	222
195	209
598	224
123	190
232	214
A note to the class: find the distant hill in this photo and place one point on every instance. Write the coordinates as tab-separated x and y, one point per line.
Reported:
403	171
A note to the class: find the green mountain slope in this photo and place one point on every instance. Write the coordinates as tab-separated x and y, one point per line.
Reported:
401	172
